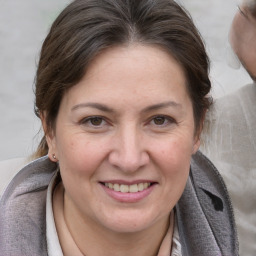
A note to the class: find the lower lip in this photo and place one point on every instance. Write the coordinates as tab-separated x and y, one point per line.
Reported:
128	197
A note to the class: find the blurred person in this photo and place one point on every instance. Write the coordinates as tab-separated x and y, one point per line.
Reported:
122	88
230	139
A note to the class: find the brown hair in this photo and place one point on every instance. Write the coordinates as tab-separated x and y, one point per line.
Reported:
86	27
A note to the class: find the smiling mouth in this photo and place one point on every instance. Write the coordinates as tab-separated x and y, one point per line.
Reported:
123	188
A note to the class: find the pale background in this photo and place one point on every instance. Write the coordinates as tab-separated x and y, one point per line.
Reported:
23	26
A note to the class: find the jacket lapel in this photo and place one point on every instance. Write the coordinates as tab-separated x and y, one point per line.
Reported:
204	213
23	210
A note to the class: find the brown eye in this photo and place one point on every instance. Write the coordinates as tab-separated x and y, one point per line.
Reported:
95	124
159	120
162	121
96	121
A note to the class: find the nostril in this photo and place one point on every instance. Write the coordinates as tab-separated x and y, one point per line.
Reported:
128	161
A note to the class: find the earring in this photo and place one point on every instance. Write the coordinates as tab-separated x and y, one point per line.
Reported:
54	157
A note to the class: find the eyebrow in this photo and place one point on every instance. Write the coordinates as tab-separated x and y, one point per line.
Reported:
99	106
162	105
242	12
105	108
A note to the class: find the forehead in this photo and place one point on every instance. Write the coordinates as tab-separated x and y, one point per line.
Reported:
136	71
128	55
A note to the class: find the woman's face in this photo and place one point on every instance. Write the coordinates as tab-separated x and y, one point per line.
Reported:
124	138
242	39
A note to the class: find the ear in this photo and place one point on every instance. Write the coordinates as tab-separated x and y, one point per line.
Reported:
196	144
50	139
197	141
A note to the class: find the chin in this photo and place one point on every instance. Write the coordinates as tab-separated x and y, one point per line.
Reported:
129	222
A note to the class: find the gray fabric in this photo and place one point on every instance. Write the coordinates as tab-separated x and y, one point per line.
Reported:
229	141
22	211
204	213
8	169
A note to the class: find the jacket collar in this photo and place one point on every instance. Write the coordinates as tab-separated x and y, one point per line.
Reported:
26	196
205	201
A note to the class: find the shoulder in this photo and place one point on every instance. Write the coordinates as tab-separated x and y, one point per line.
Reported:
22	209
229	134
205	214
8	169
233	106
229	140
206	177
32	176
211	191
243	94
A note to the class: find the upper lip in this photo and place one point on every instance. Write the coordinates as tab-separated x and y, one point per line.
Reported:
125	182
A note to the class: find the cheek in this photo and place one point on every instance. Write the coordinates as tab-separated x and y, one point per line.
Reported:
175	150
79	156
174	160
173	163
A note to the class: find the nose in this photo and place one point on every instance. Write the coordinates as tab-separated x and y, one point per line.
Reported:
129	152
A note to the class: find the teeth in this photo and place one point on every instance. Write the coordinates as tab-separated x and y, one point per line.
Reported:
128	188
146	185
133	188
124	188
141	186
116	187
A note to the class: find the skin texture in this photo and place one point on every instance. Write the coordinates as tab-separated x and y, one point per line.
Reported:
130	119
242	39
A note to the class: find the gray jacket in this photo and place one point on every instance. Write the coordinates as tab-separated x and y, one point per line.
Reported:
204	213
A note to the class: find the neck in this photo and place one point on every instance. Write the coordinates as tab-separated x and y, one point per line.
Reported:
101	241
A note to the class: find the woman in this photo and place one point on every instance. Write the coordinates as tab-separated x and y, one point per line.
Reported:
121	89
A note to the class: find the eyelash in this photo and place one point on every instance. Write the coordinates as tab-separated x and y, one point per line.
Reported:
167	120
88	121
